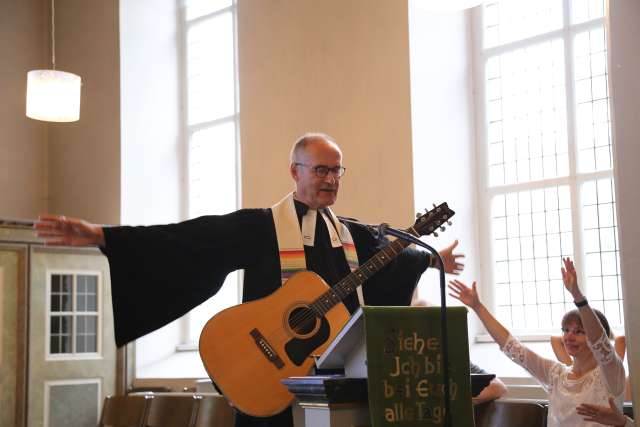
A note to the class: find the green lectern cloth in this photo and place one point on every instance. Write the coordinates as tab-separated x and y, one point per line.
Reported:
404	364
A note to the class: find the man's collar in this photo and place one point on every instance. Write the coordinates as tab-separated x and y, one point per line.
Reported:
302	208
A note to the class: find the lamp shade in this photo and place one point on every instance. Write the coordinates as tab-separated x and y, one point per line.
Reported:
53	96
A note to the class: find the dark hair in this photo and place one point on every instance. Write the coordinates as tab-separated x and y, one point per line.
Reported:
574	316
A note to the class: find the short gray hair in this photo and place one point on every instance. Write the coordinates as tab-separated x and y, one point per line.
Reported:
303	142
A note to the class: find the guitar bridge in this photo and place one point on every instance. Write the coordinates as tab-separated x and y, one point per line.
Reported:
266	349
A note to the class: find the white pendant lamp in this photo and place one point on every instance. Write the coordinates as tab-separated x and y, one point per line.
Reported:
53	95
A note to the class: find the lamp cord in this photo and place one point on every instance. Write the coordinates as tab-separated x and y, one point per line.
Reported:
53	34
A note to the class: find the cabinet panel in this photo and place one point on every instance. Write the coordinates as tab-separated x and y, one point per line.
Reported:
13	339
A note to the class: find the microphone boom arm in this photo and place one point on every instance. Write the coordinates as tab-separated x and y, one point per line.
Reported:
385	229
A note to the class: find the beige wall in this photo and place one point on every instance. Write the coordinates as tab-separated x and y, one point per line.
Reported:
22	140
60	167
84	157
332	66
624	67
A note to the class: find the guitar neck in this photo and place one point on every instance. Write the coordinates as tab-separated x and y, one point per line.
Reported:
350	283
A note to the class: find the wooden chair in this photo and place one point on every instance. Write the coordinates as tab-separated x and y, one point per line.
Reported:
511	412
172	411
124	411
214	411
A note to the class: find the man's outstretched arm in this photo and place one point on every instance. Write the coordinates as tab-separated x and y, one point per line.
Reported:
59	230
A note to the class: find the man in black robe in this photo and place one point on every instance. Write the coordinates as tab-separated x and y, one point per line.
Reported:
159	273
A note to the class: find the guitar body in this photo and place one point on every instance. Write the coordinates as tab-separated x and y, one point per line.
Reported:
249	348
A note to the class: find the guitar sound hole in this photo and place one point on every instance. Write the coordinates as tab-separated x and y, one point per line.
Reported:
302	320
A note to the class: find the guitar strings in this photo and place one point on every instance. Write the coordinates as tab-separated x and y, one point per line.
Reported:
348	285
310	316
370	267
366	267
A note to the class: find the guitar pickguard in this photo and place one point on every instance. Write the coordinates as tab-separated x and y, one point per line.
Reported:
298	349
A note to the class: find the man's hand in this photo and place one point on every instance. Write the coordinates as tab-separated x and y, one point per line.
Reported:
450	260
58	230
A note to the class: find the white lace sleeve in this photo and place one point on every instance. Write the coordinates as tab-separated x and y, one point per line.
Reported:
537	366
609	363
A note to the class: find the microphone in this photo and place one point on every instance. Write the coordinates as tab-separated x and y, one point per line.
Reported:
385	229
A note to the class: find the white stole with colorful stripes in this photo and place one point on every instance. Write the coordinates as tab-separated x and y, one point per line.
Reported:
291	239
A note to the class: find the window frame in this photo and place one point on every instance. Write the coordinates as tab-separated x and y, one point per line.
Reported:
574	180
97	355
188	130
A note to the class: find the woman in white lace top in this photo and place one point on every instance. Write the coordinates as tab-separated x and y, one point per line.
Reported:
597	372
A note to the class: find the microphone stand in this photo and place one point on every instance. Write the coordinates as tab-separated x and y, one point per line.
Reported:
385	229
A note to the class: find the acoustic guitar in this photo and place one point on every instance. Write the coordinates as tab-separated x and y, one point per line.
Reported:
249	348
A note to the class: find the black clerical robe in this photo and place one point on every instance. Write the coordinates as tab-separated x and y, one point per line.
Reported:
159	273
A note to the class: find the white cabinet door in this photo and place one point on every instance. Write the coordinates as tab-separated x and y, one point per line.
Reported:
72	353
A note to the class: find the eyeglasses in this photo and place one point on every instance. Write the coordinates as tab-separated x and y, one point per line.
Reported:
575	331
322	171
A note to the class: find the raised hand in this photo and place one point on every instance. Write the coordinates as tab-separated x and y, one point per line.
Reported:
570	280
461	292
450	260
58	230
469	297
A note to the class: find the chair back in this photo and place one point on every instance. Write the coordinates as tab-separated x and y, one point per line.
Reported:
172	411
504	412
214	411
124	411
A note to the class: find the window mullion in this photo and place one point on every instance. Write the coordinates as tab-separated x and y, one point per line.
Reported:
576	217
481	147
195	21
590	176
211	123
204	134
74	311
521	44
523	186
541	38
236	87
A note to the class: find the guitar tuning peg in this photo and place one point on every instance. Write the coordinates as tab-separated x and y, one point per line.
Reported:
449	222
435	234
418	214
442	228
434	205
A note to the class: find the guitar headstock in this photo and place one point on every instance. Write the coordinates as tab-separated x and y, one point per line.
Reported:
431	221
